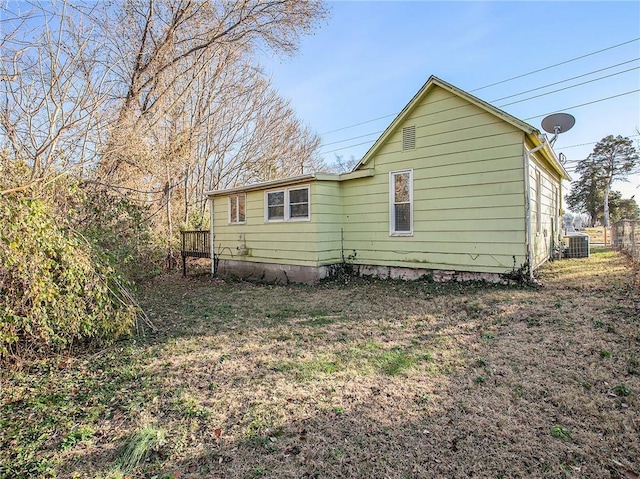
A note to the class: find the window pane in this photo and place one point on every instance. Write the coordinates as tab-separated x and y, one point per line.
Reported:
276	212
299	196
276	198
401	187
299	203
403	217
241	208
275	205
233	206
300	211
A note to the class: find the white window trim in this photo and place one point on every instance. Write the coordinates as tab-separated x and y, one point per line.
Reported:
392	210
266	207
287	205
231	220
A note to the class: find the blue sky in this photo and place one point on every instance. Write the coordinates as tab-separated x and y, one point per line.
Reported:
370	58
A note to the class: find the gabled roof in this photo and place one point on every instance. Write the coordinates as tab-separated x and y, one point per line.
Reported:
433	81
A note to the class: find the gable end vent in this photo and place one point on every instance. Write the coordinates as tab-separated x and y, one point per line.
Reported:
409	138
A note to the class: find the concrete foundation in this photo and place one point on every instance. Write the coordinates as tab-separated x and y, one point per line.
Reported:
272	273
413	274
284	274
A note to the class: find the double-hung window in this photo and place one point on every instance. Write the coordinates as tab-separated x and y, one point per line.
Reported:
289	204
401	203
275	205
237	208
298	203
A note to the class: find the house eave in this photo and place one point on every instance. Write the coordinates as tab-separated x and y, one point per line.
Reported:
263	185
362	173
549	154
294	180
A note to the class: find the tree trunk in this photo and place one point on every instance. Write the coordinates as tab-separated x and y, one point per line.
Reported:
605	220
171	261
186	197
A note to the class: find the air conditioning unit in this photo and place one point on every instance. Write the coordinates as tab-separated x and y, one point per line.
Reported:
576	245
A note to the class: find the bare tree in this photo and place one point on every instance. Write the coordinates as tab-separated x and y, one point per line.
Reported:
52	91
159	44
157	100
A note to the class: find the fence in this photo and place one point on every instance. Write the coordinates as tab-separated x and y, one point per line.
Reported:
195	244
626	236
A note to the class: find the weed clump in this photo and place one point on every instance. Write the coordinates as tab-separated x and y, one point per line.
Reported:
139	447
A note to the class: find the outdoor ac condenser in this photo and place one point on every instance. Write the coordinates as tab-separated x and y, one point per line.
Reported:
576	245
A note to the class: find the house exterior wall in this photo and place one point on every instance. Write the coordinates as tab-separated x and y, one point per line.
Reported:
256	240
468	193
328	219
477	197
545	209
311	243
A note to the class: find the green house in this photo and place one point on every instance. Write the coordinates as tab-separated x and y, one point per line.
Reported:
454	188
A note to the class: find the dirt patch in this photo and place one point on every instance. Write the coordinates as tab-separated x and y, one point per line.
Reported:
350	378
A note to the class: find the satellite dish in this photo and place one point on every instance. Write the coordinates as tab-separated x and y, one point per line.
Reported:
557	123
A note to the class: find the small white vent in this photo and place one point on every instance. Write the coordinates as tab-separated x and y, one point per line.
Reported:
409	138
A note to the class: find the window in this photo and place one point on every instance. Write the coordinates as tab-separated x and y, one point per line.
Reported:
291	204
401	203
275	205
299	203
409	138
237	208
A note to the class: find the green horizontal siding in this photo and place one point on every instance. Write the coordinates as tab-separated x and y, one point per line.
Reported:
543	240
292	242
461	261
306	243
468	190
328	200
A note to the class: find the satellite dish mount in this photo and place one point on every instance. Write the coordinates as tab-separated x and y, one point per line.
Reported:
557	123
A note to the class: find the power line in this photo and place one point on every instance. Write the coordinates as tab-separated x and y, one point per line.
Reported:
348	146
511	103
569	87
352	138
358	124
477	114
567	79
585	104
590	143
486	124
557	64
510	79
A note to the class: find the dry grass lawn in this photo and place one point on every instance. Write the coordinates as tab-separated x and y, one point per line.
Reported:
348	379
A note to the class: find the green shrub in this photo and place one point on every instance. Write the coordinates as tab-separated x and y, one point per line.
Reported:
56	288
119	227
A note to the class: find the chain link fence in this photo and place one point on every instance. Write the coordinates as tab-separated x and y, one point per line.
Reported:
626	236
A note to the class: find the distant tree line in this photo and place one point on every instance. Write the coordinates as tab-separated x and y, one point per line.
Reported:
613	159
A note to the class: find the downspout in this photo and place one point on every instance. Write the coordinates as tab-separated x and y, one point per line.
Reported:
527	207
211	238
